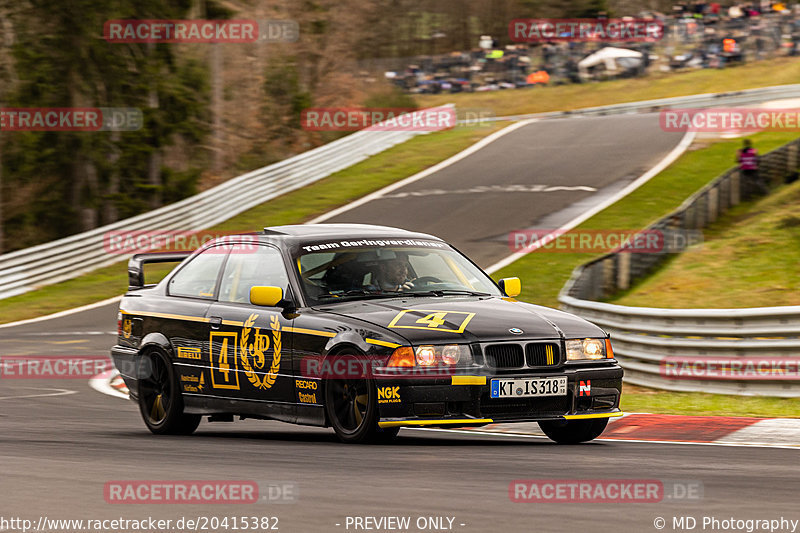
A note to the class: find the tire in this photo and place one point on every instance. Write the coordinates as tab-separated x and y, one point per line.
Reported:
352	409
573	431
160	400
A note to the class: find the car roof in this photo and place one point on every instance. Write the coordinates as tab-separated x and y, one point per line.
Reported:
303	233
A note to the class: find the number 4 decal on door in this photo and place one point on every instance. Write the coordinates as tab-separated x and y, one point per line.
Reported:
224	363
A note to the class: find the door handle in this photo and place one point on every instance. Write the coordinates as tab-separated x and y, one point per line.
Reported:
215	322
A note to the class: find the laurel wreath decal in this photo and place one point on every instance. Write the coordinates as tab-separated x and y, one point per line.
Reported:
246	349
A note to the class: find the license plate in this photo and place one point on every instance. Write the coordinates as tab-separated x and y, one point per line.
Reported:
529	388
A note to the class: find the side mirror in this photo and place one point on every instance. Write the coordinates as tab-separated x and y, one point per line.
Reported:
266	296
511	286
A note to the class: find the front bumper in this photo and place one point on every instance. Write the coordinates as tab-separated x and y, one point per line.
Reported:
465	400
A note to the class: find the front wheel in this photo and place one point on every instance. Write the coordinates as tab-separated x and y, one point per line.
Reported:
352	409
573	431
160	400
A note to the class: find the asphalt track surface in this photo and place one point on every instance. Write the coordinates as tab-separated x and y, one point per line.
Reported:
61	441
477	201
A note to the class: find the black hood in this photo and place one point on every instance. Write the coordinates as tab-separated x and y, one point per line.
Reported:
467	319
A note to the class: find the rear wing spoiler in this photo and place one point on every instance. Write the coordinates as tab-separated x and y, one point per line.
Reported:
137	262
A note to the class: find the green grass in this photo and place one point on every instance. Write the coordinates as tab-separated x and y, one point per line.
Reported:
750	258
293	208
779	71
642	400
544	273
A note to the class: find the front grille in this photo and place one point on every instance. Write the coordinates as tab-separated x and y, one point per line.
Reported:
542	354
504	356
524	407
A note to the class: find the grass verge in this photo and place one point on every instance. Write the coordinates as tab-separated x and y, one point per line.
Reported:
779	71
295	207
643	400
750	258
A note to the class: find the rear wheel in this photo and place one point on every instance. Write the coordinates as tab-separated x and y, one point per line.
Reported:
160	400
573	431
352	409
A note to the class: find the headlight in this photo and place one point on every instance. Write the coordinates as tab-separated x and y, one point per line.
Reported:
431	356
586	349
426	355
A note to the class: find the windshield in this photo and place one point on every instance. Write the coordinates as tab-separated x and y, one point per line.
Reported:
385	272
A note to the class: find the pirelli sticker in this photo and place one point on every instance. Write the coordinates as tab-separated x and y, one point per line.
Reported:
432	320
189	353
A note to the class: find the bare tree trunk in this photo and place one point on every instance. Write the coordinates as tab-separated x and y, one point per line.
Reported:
2	236
216	107
89	214
154	159
110	212
6	70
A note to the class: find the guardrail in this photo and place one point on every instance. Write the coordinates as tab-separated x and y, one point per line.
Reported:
30	268
733	98
644	337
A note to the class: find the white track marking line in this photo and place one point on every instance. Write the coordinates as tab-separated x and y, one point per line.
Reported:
62	313
682	443
425	173
784	431
59	392
676	152
102	383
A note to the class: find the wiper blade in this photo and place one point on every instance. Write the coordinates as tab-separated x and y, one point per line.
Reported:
448	292
362	293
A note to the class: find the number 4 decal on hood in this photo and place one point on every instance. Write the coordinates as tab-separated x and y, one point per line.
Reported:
432	319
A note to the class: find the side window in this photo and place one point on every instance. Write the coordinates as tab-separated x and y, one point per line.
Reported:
198	278
249	266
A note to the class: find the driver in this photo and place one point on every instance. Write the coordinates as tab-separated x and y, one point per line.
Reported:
393	276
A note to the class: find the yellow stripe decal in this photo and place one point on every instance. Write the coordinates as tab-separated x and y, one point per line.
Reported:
593	415
468	380
382	343
167	315
460	421
232	323
309	331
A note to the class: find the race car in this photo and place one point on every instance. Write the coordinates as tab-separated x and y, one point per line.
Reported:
365	329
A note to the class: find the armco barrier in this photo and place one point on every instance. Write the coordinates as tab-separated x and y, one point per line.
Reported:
643	337
30	268
27	269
